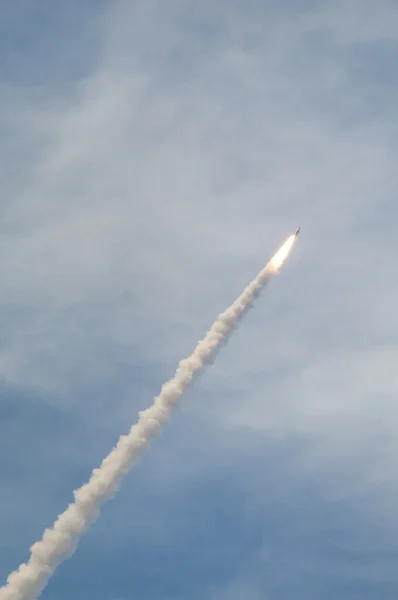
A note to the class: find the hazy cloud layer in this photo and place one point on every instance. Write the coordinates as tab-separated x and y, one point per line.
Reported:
152	157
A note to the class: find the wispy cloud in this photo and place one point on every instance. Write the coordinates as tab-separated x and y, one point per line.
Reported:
170	144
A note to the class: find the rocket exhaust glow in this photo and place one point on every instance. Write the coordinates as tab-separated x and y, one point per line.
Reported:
281	255
60	541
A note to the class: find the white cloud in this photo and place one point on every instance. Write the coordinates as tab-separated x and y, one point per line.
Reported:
140	199
152	200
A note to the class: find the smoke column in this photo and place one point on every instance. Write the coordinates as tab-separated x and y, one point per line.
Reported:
60	541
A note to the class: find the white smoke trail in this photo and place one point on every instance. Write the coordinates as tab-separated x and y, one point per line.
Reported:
59	542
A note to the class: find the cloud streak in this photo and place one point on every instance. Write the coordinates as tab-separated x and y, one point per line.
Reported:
165	158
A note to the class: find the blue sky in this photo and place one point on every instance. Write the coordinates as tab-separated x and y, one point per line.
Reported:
153	156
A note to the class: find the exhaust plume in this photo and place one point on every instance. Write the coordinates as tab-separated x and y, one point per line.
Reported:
60	541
